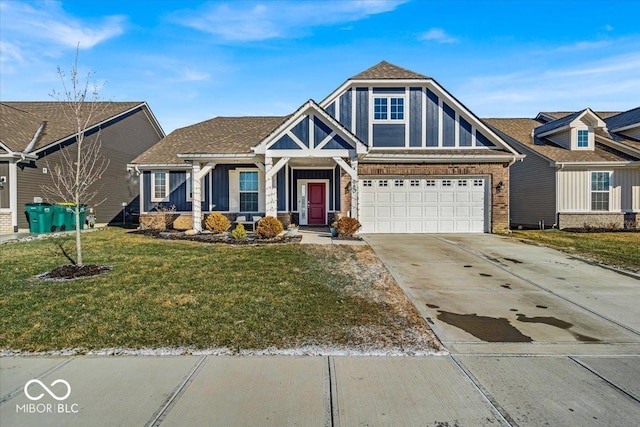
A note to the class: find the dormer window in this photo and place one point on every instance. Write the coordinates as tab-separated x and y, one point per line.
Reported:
583	138
388	108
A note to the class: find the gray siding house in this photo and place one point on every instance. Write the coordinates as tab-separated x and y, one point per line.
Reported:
582	169
390	147
33	134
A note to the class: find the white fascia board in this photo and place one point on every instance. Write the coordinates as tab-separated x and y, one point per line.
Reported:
440	158
158	166
468	115
349	84
5	148
154	120
554	131
97	125
627	127
313	154
599	164
618	146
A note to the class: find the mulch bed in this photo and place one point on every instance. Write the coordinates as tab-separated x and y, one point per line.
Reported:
601	230
217	238
70	272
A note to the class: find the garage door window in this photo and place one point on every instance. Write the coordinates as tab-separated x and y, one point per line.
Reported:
398	183
415	183
431	183
366	183
382	183
446	183
462	183
478	182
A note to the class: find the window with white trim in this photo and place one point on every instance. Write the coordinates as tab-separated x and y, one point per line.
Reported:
398	182
431	183
600	186
446	183
415	183
248	191
583	138
382	183
159	186
462	183
189	188
388	108
478	182
366	183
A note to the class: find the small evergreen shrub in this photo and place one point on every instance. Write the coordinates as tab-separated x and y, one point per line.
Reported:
268	228
346	226
239	232
217	223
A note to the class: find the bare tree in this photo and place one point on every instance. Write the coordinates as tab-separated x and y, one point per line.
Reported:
73	178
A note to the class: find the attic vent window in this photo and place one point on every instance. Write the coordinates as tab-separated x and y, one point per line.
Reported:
583	138
388	108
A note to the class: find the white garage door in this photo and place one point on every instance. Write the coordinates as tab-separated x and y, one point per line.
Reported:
452	205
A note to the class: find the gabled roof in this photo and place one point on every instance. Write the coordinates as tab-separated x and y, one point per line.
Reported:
561	114
520	131
19	122
387	71
624	119
547	128
220	135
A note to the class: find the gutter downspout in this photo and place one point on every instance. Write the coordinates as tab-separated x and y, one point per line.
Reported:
558	169
34	139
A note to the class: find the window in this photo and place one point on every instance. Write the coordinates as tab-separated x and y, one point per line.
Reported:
159	186
431	183
366	183
382	183
398	183
381	110
600	191
478	182
249	191
583	138
462	183
415	183
446	183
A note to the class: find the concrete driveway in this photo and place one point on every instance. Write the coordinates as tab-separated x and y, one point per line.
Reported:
486	293
547	339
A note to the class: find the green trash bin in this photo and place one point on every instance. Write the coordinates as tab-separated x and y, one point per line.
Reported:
59	218
40	216
70	216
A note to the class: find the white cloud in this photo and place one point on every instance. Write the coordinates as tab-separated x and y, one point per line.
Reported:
608	27
438	35
47	23
194	76
610	83
252	21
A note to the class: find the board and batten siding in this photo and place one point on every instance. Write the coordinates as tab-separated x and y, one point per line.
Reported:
574	190
532	192
4	193
123	139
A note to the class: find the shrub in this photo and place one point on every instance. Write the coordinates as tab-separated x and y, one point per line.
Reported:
346	226
163	218
239	232
217	223
268	228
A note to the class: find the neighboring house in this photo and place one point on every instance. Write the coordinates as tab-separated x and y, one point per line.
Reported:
582	168
389	147
32	135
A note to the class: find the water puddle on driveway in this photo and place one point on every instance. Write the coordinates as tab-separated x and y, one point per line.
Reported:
490	329
561	324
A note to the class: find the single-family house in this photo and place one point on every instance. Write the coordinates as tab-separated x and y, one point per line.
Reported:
581	168
33	136
390	147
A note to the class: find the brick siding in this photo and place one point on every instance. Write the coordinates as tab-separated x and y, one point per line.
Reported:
5	222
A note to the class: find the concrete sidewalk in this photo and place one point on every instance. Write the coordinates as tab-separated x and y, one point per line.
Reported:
320	391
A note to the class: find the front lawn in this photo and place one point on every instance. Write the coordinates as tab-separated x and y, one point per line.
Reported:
202	296
617	249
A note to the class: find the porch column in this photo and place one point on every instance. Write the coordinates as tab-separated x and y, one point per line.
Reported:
196	197
270	189
13	194
354	188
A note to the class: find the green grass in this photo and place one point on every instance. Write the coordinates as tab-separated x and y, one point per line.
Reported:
617	249
178	293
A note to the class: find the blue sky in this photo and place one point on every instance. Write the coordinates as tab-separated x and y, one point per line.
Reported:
192	61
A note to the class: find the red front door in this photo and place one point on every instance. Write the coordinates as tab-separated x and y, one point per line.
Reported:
317	206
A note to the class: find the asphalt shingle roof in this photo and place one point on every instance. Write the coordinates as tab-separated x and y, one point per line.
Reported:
520	130
558	123
19	121
560	114
387	71
220	135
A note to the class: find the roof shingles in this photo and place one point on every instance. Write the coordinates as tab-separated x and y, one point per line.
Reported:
386	71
